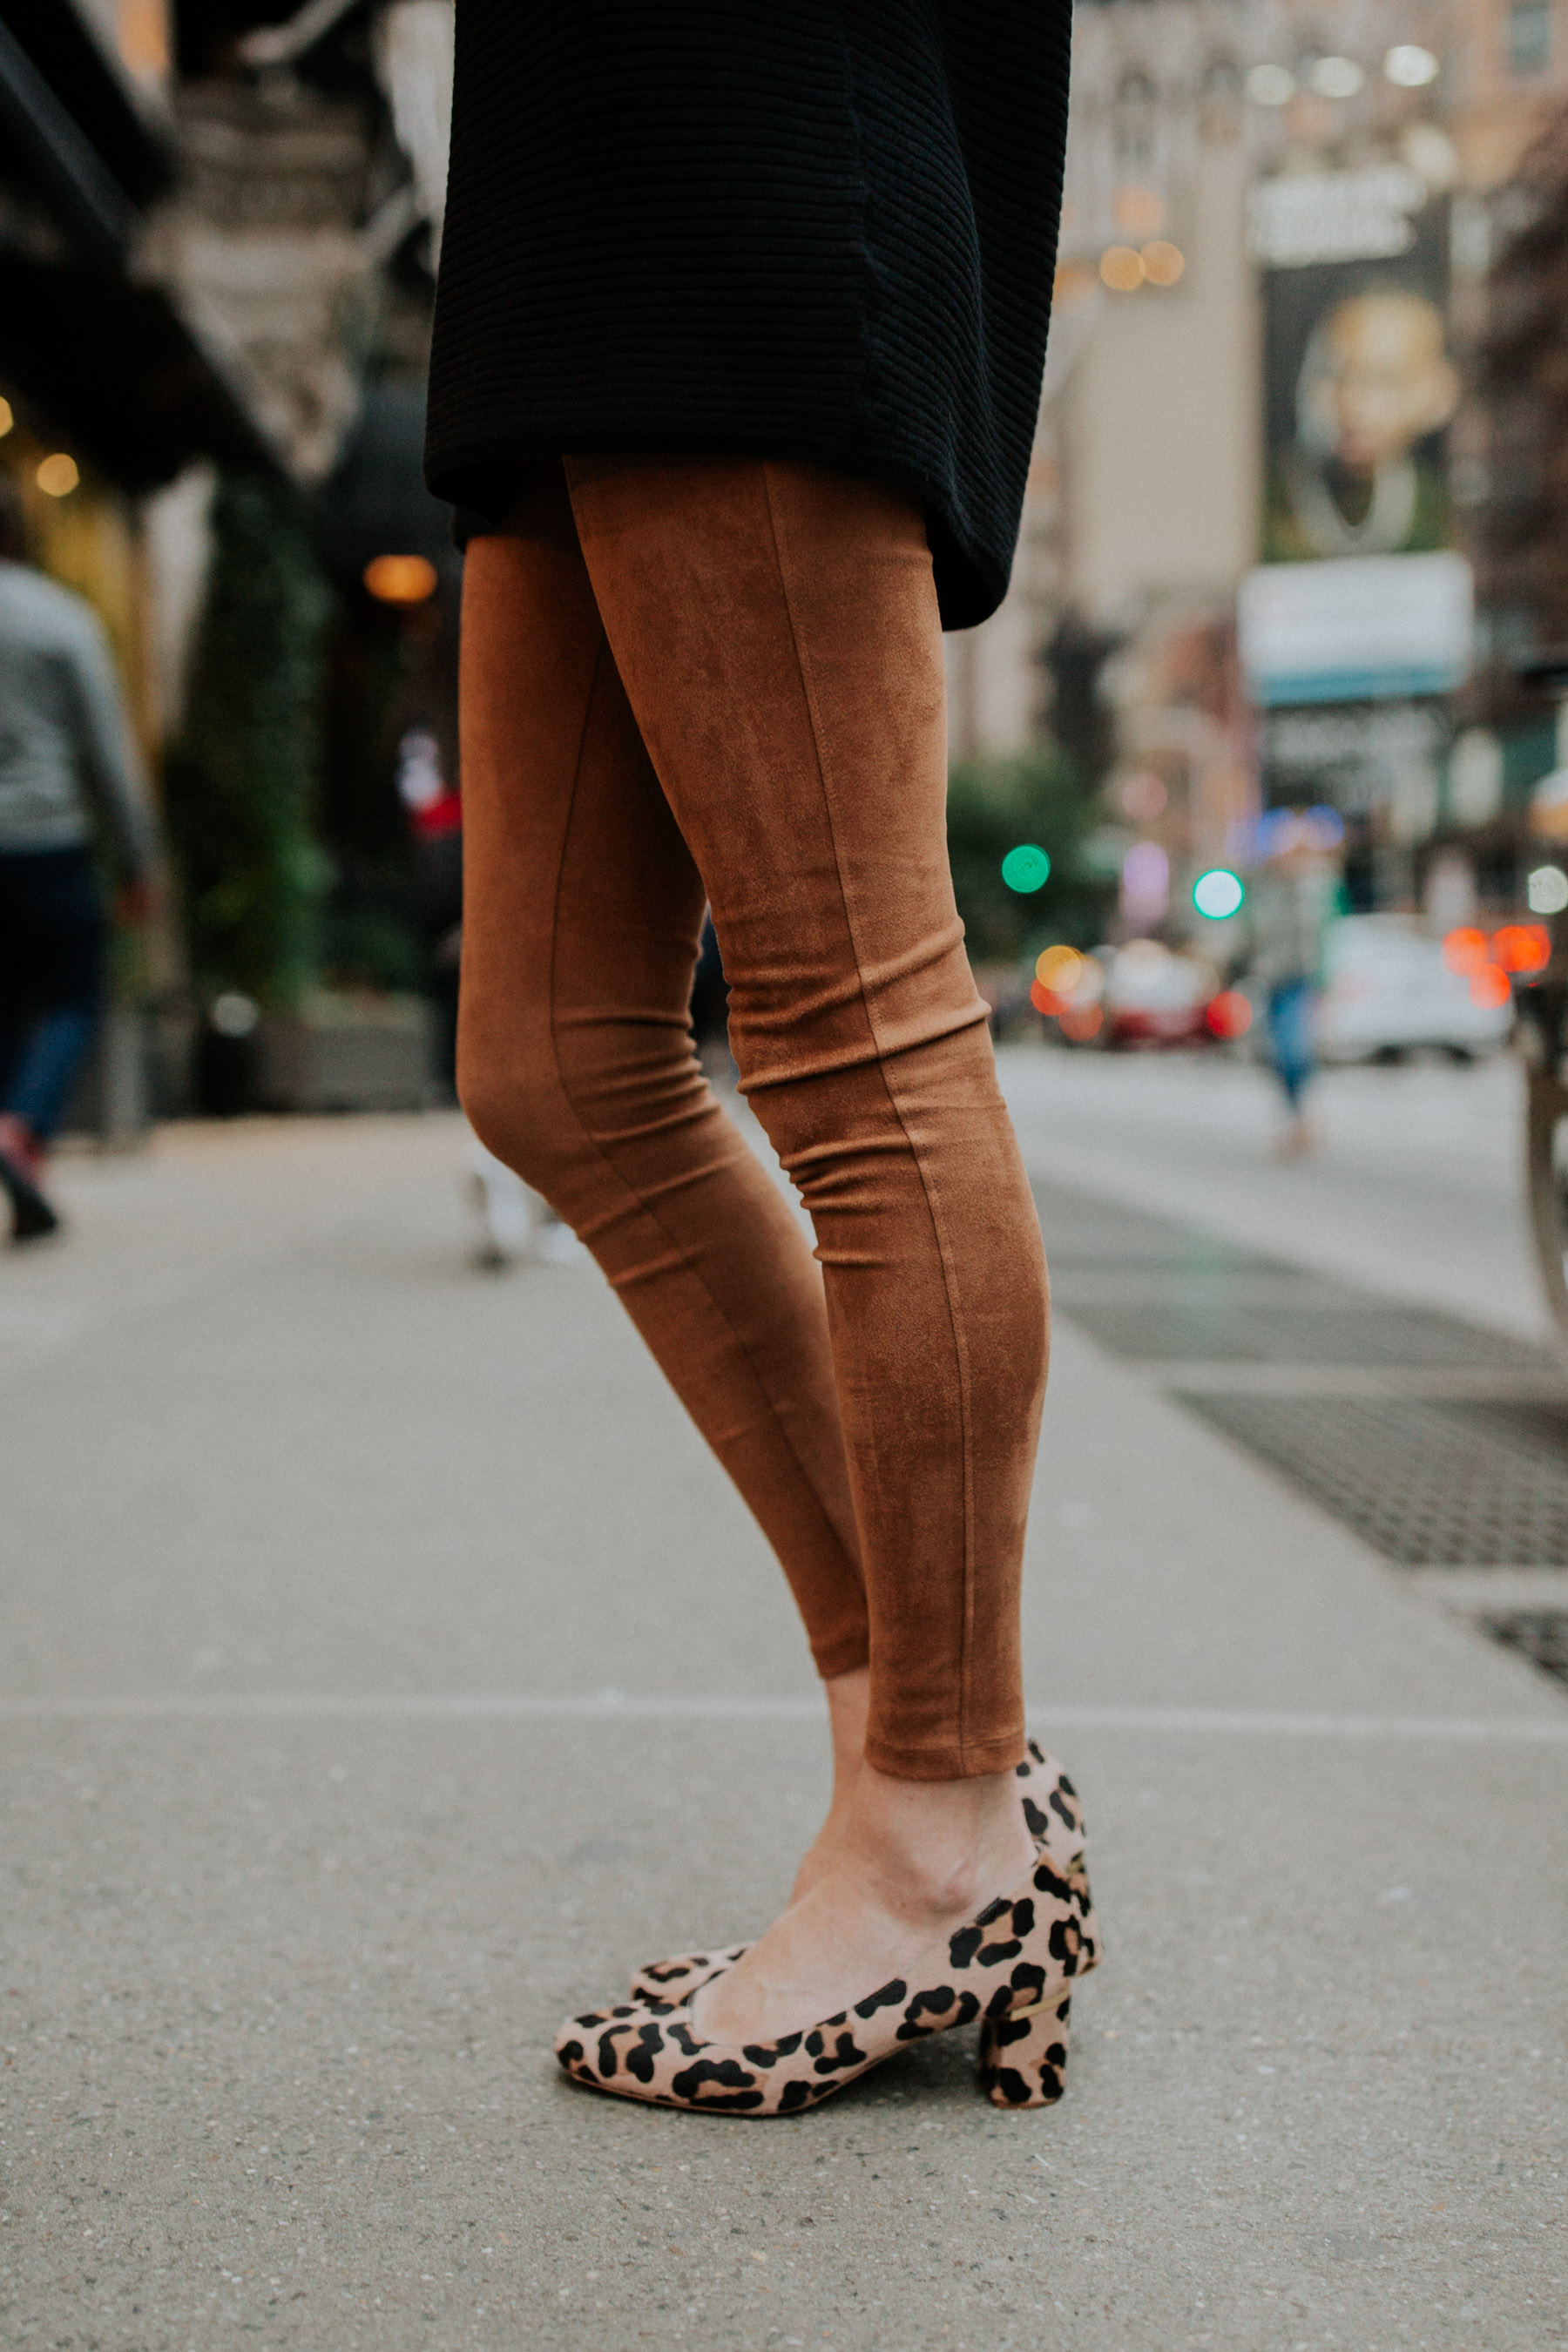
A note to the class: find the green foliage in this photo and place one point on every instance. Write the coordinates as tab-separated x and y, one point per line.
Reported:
373	667
241	783
366	943
995	804
370	934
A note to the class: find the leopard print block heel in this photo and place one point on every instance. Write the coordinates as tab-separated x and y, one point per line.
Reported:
1024	2055
1051	1809
1019	1955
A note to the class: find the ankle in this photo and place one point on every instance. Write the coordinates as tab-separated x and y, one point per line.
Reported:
848	1706
939	1849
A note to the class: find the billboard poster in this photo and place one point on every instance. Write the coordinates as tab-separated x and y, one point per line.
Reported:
1359	387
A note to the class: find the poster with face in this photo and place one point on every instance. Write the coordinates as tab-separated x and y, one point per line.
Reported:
1358	388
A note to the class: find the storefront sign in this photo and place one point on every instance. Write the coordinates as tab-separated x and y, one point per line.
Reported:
1364	628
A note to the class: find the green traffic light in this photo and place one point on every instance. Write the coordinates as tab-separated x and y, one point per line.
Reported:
1026	869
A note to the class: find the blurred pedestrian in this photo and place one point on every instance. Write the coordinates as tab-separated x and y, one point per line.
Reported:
436	823
1290	906
738	354
72	788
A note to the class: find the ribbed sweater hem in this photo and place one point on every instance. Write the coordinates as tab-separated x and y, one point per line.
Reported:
476	478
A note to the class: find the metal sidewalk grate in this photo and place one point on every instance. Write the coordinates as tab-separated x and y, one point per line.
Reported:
1213	1327
1534	1426
1081	1231
1454	1480
1157	1291
1542	1635
1431	1486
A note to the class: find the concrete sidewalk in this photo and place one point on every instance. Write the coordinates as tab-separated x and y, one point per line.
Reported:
385	1669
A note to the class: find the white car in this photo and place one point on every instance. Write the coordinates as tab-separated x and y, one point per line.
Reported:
1386	988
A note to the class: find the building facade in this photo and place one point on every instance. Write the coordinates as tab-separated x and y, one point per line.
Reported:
219	224
1276	217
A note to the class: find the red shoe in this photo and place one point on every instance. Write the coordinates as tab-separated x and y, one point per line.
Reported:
21	1169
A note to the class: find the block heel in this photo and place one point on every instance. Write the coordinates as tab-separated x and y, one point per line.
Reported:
1024	2057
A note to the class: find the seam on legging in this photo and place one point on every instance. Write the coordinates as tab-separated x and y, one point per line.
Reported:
682	1255
949	1278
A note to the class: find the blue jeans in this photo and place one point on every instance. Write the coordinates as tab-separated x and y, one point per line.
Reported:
1291	1037
51	979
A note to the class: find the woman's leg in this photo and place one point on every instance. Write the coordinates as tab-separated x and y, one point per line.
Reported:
775	627
1290	1036
582	915
776	630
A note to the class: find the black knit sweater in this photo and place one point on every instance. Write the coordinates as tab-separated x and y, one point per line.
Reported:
820	229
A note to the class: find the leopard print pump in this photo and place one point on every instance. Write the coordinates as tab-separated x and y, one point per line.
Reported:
1012	1967
1054	1818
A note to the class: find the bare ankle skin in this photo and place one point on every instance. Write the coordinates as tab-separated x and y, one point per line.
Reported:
909	1861
849	1702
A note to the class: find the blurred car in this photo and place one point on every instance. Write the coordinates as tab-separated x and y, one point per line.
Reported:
1388	989
1156	996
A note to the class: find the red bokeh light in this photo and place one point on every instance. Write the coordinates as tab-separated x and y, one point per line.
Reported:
1521	946
1229	1015
1489	985
1046	1000
1464	949
1080	1022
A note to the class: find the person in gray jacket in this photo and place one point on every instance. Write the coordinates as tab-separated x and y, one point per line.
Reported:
70	771
1289	909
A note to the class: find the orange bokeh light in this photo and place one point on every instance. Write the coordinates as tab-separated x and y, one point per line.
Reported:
1489	985
1522	947
1464	949
1046	1000
1229	1015
1163	262
1074	280
1059	969
1121	268
1139	210
400	579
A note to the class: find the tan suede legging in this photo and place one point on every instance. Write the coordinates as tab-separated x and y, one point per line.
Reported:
714	679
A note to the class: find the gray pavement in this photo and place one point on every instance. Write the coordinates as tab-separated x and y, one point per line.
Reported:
384	1669
1416	1191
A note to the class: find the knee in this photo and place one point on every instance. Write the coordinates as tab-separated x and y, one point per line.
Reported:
512	1101
555	1101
